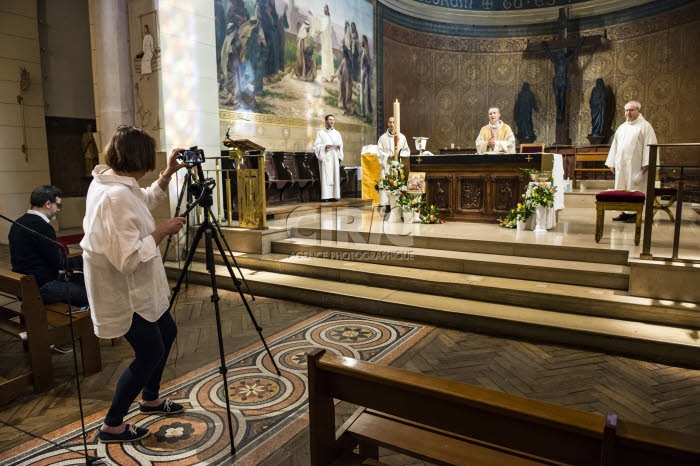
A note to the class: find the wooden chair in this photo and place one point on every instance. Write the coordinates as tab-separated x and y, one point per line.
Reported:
531	148
589	162
24	315
618	200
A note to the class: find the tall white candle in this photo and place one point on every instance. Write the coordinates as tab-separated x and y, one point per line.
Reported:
397	111
397	127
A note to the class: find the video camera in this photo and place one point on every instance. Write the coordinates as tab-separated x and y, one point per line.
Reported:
192	155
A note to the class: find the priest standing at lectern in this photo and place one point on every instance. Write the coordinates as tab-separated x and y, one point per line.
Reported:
496	137
385	154
328	148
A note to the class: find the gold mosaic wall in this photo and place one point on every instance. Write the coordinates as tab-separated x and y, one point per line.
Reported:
446	84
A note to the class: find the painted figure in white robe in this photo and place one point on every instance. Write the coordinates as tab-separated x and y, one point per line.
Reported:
328	148
148	50
324	27
385	154
496	137
628	158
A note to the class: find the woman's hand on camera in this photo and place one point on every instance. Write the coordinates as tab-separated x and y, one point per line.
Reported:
174	164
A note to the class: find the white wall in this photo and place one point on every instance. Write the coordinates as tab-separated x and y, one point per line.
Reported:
20	172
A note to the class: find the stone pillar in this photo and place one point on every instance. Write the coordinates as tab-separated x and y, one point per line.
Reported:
111	67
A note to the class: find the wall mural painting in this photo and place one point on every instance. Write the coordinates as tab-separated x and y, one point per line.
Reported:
296	58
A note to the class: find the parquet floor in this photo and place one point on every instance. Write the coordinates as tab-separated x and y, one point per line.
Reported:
637	390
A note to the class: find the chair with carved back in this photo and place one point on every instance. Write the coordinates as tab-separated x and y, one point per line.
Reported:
534	148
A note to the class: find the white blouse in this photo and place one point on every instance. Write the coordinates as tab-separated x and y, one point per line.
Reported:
123	269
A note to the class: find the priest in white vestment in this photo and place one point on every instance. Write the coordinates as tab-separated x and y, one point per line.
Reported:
385	154
328	148
628	158
496	137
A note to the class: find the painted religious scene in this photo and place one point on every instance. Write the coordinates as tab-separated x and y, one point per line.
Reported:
296	58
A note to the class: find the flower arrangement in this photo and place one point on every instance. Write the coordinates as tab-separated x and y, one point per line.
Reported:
520	213
394	181
540	194
409	203
430	214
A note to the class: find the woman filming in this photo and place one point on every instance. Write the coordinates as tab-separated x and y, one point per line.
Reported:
124	273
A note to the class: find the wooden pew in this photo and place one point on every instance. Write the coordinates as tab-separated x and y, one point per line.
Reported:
446	422
24	314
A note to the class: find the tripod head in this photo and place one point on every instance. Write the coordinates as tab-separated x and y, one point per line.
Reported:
201	189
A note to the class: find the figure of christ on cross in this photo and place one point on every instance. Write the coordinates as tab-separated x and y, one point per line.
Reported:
561	51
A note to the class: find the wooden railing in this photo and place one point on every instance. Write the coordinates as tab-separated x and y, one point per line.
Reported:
651	195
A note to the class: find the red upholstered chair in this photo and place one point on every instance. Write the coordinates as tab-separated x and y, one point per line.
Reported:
67	240
618	200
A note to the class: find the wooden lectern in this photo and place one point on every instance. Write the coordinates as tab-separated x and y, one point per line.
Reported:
251	182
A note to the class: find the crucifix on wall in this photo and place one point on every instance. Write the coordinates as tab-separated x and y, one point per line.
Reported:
561	51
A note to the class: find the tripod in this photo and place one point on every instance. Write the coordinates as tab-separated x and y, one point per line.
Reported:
194	189
205	200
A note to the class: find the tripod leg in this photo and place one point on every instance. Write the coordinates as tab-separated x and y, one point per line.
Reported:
211	267
185	185
237	283
228	248
185	267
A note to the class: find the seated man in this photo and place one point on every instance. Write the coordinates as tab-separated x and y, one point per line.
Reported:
32	254
496	137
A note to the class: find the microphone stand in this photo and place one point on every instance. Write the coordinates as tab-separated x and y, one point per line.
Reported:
64	261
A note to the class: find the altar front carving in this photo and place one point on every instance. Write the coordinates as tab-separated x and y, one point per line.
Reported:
477	188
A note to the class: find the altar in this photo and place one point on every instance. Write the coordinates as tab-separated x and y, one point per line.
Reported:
483	187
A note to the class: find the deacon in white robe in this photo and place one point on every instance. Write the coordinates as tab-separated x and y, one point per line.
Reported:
328	148
496	137
385	154
628	158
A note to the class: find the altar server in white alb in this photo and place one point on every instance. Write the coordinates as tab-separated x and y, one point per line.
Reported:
496	137
628	158
328	148
385	154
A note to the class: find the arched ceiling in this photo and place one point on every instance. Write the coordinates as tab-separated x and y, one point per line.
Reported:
511	12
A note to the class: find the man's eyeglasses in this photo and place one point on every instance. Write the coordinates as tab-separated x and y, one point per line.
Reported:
59	205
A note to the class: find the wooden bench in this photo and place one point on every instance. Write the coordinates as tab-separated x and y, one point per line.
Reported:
24	315
589	162
445	422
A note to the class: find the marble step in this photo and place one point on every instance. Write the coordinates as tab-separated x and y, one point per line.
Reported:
484	246
668	344
519	292
610	276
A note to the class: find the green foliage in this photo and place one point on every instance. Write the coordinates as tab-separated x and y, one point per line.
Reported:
331	98
430	214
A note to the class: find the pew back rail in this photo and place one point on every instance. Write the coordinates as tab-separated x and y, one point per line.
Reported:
447	422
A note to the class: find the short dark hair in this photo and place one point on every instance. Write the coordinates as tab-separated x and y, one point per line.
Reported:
329	115
44	193
131	150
